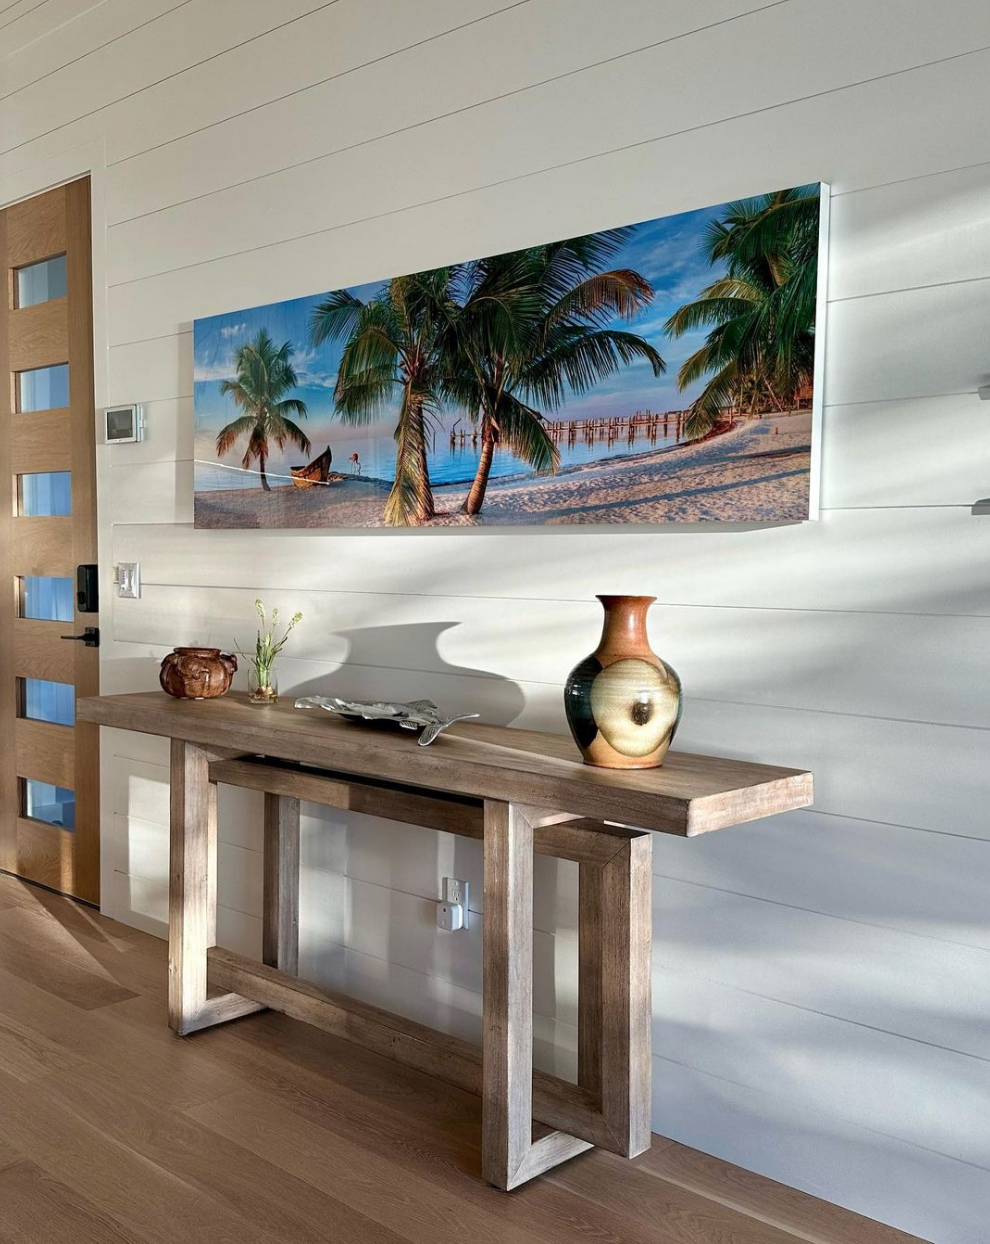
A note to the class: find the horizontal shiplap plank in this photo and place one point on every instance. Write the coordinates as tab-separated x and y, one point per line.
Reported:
871	1078
158	492
84	28
622	183
186	36
856	560
573	118
825	1154
914	452
27	22
880	978
925	231
158	370
912	343
905	773
221	97
931	885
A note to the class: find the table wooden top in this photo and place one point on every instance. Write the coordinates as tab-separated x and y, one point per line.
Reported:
688	795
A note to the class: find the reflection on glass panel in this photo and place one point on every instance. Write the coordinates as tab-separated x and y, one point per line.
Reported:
51	600
44	494
43	388
53	804
42	700
40	282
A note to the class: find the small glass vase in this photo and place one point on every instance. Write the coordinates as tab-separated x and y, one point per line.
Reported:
262	686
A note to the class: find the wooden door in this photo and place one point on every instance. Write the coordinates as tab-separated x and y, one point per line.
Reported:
49	767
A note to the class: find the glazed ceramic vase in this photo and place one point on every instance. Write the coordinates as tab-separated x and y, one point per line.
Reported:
623	703
197	673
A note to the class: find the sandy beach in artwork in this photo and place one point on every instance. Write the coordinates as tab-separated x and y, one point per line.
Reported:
757	470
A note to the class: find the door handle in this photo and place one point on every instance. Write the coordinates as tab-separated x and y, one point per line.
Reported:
90	637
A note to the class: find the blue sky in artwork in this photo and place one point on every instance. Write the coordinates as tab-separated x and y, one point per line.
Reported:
666	251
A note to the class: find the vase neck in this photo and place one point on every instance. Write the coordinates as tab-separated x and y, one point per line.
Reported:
624	628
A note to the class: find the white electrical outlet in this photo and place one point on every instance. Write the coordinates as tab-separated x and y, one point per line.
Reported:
452	910
127	576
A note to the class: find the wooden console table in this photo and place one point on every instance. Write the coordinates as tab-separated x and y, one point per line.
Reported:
518	790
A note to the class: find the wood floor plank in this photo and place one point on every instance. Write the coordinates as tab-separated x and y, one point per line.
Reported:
66	979
142	1197
8	1155
153	1065
222	1169
135	965
37	1209
27	1055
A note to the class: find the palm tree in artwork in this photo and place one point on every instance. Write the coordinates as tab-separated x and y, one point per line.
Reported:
531	327
760	350
392	350
265	376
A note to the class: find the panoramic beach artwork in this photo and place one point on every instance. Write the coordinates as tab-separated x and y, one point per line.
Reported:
651	373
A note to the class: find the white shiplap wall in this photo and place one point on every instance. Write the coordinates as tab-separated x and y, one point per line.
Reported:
822	1010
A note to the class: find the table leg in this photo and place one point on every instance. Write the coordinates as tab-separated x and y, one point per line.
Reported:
624	922
280	932
192	896
509	1155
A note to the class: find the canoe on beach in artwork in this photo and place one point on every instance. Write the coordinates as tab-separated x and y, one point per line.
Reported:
315	472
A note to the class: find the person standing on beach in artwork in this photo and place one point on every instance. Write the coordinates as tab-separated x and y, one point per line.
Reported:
355	464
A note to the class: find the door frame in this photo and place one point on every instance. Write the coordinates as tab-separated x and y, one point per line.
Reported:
31	179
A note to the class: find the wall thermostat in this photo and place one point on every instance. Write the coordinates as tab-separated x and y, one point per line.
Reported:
123	424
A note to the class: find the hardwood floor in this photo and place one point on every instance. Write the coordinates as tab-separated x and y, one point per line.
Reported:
266	1131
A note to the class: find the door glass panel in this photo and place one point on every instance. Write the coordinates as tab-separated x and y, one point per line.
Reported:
43	388
42	700
51	600
53	804
40	282
44	494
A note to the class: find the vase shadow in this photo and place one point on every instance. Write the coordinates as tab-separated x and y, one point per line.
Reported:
371	670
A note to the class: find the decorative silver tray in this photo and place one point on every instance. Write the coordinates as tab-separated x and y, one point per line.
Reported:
416	715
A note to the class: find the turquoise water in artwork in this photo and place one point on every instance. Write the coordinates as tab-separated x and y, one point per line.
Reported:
449	463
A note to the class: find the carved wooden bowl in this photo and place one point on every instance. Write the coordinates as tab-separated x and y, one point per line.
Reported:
197	673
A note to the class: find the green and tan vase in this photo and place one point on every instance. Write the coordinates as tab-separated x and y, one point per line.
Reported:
623	703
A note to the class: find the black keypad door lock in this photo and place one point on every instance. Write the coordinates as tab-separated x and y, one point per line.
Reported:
90	637
87	589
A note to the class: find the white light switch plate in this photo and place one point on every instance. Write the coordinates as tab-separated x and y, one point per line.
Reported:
128	580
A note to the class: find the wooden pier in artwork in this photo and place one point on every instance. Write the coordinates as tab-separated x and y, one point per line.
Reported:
653	423
649	423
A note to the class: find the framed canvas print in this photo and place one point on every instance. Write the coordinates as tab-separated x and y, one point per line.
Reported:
667	371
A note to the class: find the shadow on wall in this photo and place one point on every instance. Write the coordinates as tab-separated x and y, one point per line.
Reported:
368	671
